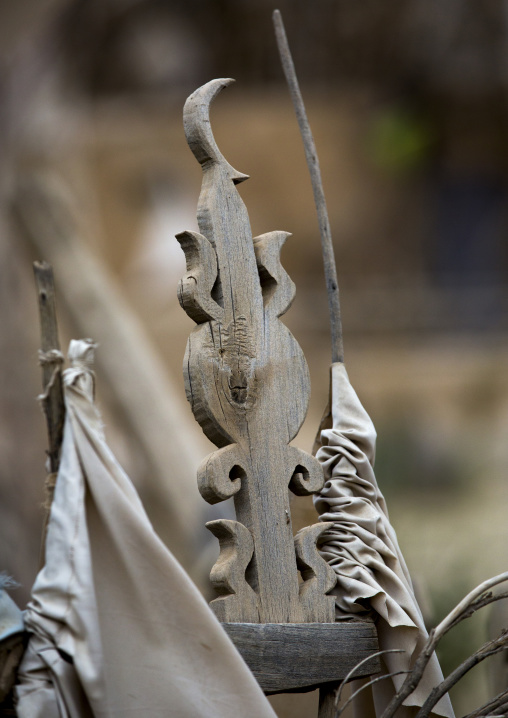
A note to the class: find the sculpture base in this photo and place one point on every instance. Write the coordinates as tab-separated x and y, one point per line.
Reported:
291	657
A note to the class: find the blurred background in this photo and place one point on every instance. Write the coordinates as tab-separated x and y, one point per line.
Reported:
408	102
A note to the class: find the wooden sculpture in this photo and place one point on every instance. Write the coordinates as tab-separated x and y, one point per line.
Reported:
247	381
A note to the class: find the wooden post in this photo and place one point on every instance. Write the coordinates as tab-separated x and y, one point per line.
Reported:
247	381
327	707
248	384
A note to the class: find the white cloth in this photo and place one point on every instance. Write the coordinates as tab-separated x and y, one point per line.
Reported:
11	618
363	550
118	628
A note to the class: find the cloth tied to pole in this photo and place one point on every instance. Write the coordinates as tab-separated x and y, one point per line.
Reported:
362	548
116	626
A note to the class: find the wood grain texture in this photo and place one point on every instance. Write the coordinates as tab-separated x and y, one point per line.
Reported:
286	657
246	379
248	385
327	707
228	574
318	576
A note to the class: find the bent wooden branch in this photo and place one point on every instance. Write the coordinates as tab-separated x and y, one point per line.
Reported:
332	285
474	600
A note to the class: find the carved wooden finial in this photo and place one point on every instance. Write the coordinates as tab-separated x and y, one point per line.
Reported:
248	384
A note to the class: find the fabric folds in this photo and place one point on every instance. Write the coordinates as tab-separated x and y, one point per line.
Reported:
362	548
117	627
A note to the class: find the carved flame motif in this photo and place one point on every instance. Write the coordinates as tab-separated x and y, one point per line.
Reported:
247	382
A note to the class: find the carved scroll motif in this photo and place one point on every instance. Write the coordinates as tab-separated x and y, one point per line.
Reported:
318	576
247	381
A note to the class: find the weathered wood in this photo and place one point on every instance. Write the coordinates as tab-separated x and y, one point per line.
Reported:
311	156
287	657
327	707
51	360
248	384
228	574
52	398
132	372
318	576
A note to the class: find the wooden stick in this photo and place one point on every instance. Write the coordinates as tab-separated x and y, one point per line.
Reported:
488	649
130	369
52	399
51	360
460	612
326	693
317	187
327	707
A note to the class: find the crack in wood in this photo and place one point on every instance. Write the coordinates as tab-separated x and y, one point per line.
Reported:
248	383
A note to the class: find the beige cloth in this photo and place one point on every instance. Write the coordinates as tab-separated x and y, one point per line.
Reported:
118	629
363	550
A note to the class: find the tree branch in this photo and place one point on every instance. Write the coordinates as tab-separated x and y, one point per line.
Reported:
475	599
467	601
488	649
359	665
484	600
498	701
366	685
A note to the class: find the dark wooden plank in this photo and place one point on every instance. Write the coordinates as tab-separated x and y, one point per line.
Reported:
292	656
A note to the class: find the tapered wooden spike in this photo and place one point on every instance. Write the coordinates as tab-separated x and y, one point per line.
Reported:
332	285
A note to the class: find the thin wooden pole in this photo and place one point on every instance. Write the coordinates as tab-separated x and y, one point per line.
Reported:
332	285
327	708
51	360
133	376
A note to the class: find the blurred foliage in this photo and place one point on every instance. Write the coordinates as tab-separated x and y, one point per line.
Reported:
408	463
398	139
